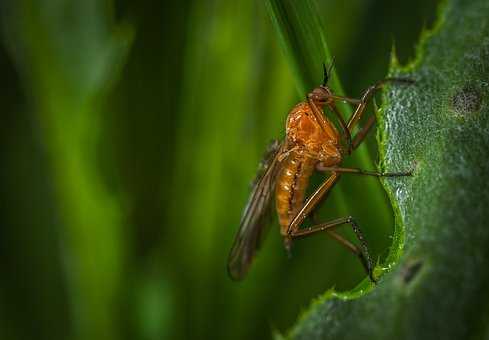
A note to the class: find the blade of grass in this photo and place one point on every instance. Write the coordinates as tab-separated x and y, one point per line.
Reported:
303	39
217	150
66	68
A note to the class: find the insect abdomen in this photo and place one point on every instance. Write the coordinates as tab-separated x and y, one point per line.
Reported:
291	188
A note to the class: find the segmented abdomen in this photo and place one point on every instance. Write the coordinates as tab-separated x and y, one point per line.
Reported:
291	188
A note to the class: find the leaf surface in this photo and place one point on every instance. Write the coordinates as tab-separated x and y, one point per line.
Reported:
436	280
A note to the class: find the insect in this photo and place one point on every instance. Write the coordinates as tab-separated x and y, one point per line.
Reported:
312	143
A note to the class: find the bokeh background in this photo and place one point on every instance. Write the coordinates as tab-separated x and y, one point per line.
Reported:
130	133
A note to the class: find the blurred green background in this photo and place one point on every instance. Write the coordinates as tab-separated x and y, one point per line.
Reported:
130	133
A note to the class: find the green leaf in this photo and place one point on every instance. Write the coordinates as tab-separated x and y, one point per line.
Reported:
303	40
437	287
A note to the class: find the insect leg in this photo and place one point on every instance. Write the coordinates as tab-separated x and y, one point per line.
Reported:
367	95
346	131
329	227
344	242
357	171
344	99
312	202
294	232
360	109
360	136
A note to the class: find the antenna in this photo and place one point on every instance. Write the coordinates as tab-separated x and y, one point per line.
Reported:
331	67
327	72
325	75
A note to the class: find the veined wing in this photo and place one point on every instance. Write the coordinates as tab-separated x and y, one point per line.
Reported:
254	219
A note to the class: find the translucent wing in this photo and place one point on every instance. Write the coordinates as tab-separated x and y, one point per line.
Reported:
254	220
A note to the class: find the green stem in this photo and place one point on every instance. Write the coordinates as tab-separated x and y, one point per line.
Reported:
303	40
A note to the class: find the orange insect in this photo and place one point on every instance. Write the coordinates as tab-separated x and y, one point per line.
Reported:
312	143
